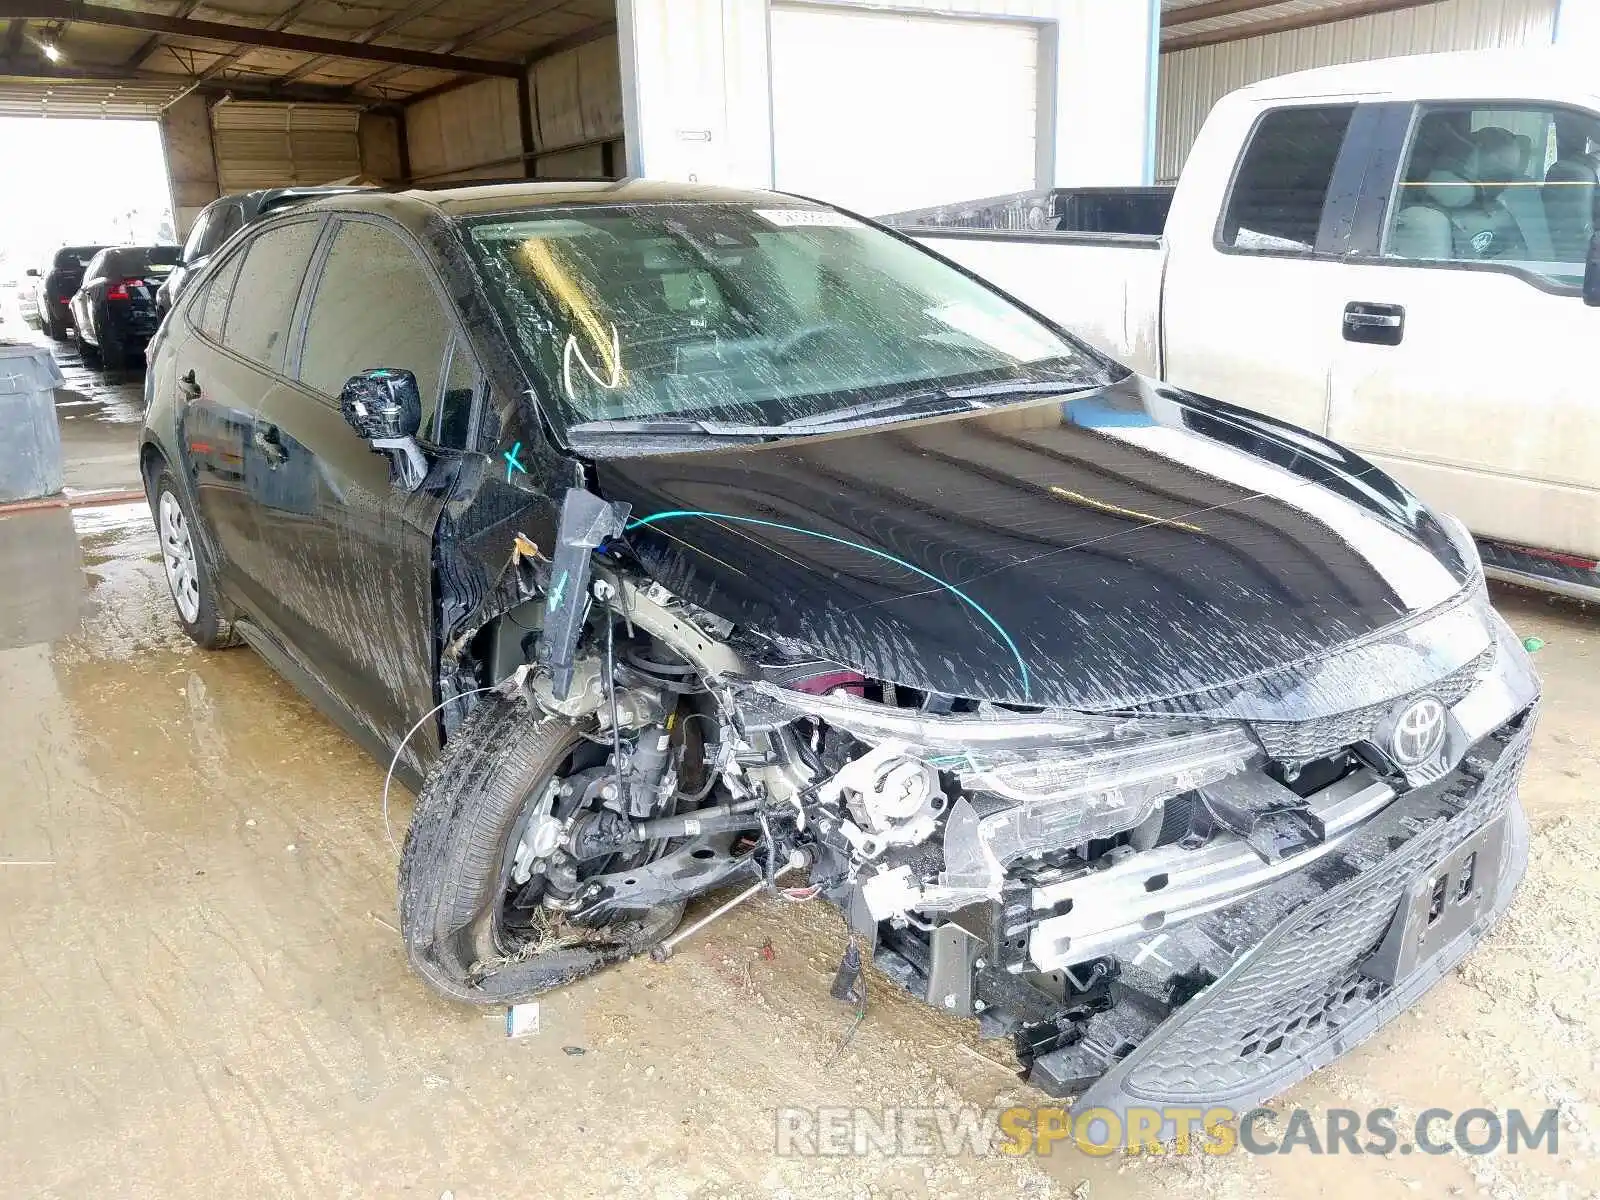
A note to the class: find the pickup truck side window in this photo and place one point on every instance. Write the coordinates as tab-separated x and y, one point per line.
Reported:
1512	186
1275	206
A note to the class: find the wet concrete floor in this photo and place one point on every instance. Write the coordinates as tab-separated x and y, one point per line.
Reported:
202	993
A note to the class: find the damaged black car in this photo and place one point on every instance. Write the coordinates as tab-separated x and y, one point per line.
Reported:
671	539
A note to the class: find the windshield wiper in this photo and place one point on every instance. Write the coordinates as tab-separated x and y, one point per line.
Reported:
681	427
932	402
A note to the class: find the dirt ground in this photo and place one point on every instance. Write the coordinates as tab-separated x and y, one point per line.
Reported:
202	992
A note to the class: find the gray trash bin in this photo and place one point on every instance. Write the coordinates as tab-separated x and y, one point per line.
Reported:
30	439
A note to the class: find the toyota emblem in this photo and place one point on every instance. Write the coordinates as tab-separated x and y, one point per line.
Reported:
1419	731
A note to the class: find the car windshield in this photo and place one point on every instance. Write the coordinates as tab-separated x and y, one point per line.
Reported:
763	316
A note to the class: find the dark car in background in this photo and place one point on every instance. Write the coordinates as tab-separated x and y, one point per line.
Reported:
115	308
673	536
58	285
223	218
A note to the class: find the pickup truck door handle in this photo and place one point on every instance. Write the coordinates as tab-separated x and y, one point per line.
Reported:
1376	324
266	441
189	386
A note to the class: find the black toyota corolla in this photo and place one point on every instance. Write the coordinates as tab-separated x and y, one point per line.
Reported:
670	537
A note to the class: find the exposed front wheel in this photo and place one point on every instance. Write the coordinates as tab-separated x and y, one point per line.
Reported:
478	924
188	577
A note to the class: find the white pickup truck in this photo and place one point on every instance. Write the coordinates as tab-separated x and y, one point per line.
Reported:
1392	254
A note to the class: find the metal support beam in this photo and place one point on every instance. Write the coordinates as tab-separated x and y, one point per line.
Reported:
31	68
517	16
1306	20
244	35
525	120
238	51
387	25
150	43
1211	10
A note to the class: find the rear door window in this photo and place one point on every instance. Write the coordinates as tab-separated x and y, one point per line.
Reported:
265	292
212	305
1282	182
375	306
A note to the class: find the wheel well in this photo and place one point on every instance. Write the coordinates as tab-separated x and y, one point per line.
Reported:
151	463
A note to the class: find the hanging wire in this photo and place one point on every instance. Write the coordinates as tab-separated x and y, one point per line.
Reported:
398	750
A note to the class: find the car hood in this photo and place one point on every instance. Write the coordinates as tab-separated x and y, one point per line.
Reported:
1115	549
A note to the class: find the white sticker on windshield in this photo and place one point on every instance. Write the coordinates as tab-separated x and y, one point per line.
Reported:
815	217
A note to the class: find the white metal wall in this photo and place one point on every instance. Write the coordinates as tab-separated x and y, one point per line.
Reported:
697	91
1191	81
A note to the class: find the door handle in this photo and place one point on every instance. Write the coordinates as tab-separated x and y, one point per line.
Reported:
266	440
1375	324
189	386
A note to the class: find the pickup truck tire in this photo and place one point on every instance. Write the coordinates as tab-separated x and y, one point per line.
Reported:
455	866
197	611
54	327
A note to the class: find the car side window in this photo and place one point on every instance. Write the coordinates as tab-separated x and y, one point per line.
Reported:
266	290
1282	182
455	404
374	306
212	305
192	248
1513	185
229	223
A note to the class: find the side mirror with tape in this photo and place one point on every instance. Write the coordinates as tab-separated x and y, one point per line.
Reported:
384	407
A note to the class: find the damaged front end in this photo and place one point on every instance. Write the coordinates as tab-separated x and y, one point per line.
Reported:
1174	912
1193	903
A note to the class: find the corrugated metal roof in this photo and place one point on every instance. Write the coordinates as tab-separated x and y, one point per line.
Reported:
1193	80
497	31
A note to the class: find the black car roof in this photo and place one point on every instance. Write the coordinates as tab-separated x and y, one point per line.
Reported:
471	200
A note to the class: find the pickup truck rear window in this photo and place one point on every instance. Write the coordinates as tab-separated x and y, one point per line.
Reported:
1282	182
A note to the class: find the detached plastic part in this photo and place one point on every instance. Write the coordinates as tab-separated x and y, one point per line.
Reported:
586	522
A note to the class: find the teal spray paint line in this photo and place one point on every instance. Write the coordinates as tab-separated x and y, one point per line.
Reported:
984	613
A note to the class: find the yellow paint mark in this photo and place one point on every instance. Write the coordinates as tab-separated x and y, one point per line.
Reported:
1118	510
538	257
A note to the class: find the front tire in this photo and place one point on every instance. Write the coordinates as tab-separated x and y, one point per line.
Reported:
453	871
188	577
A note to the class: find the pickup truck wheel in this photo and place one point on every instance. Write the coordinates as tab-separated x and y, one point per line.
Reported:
188	577
456	887
54	327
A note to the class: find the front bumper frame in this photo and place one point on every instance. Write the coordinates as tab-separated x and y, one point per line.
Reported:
1283	989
